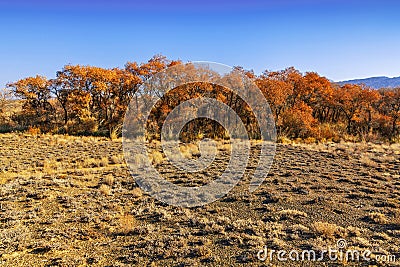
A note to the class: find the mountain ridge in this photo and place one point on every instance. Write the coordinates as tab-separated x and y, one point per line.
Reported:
375	82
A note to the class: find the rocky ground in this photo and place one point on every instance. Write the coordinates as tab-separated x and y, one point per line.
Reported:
70	201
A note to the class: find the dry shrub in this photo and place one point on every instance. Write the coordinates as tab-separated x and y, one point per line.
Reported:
127	223
13	238
117	159
353	231
157	157
225	147
92	162
33	130
82	126
328	132
298	228
396	217
89	163
109	180
105	190
310	140
202	251
139	159
51	166
214	228
137	192
103	162
383	236
283	140
361	242
378	218
291	214
189	150
387	159
277	243
115	132
328	230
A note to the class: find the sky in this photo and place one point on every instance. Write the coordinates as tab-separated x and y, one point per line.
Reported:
338	39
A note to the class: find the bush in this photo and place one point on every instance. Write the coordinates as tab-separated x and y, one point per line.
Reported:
82	126
33	130
310	140
283	140
327	132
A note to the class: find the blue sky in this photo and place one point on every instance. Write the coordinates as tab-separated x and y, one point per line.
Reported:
338	39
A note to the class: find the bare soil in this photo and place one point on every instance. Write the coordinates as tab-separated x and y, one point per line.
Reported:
71	201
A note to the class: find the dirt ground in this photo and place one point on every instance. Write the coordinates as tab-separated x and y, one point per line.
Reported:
70	201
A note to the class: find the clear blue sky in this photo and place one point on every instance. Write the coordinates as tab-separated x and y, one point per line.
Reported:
338	39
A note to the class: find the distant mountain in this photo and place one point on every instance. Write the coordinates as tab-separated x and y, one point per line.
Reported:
376	82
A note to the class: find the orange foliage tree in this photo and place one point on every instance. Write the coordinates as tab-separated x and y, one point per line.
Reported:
389	110
37	109
94	95
89	99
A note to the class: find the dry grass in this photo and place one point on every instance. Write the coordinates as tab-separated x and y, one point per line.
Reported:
367	161
94	162
189	150
285	214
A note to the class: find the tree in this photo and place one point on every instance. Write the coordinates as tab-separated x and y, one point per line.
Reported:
89	99
103	94
389	107
36	93
298	121
356	104
276	91
5	96
5	99
318	94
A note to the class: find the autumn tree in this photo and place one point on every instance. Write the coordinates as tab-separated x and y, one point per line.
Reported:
276	90
89	99
355	103
37	109
146	70
389	108
318	94
102	94
4	98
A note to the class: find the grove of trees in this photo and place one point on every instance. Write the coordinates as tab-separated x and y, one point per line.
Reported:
93	101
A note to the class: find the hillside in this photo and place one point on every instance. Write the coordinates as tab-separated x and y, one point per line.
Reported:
376	82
